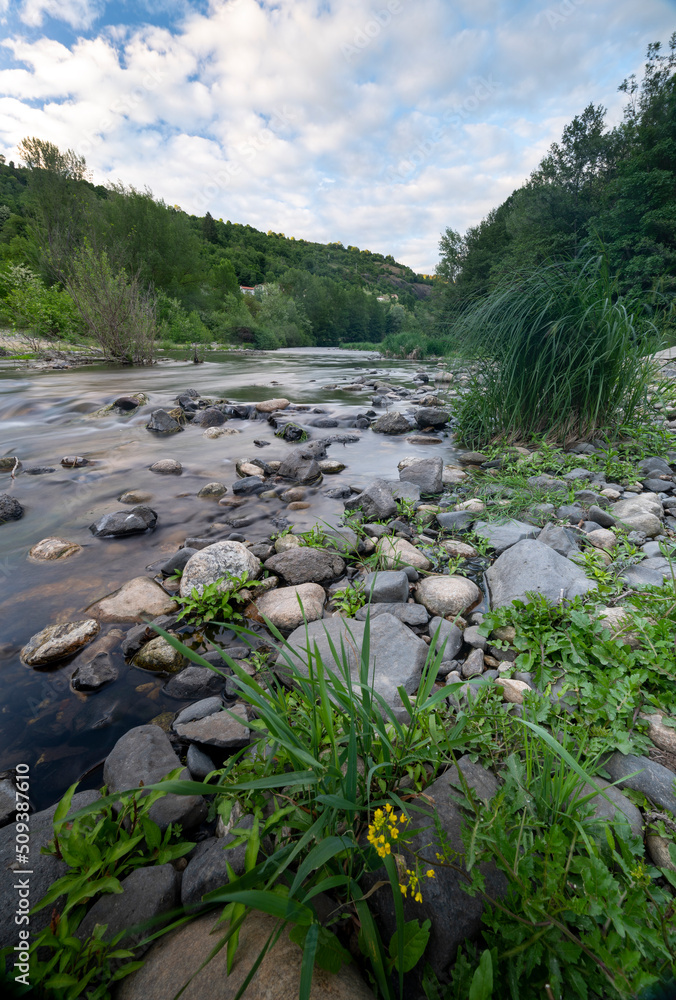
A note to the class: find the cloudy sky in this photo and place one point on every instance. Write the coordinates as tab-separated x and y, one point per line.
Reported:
374	123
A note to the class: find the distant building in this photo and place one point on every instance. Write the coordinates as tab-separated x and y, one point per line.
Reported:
247	289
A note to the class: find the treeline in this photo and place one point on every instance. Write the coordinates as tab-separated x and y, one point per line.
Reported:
189	268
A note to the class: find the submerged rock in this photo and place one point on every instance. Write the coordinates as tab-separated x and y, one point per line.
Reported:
119	523
135	599
162	423
53	548
10	508
391	423
167	467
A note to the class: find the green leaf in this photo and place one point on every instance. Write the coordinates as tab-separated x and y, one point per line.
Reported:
416	936
308	962
482	980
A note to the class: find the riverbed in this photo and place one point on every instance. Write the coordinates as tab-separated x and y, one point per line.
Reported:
46	415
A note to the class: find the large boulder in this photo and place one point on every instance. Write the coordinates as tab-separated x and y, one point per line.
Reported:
133	601
301	466
391	423
532	566
144	755
306	564
431	416
119	523
501	535
447	596
376	502
427	473
221	560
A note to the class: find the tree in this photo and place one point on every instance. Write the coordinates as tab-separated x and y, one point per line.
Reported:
453	250
38	154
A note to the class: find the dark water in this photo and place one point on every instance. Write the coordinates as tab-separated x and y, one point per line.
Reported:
45	416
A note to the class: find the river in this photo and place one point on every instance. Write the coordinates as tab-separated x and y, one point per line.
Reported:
44	416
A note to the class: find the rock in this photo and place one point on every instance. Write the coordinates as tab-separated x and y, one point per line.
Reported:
161	423
216	561
56	642
289	607
654	780
249	486
144	754
119	523
662	736
431	416
177	562
128	403
342	539
74	462
135	497
10	508
513	690
391	423
210	417
473	458
306	565
651	572
618	808
215	490
602	538
218	729
375	502
8	463
405	491
455	520
501	535
331	467
409	614
655	466
549	483
531	566
396	654
286	542
640	513
427	473
53	548
199	763
562	540
618	621
658	849
453	914
147	893
217	432
46	869
474	664
136	598
473	638
208	869
386	587
447	595
459	550
196	682
93	675
601	516
452	475
183	954
396	552
270	405
301	466
167	467
160	655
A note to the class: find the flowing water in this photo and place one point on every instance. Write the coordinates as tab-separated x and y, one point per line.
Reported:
45	415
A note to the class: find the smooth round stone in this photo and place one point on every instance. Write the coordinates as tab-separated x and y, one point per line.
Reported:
447	595
398	552
217	432
293	495
282	606
58	641
220	561
158	654
167	467
136	598
270	405
135	496
513	690
287	542
330	467
299	505
473	505
53	548
213	490
73	461
267	495
245	469
602	538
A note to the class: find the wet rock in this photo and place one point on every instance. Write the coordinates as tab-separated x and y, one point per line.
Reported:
177	562
391	423
219	729
145	755
289	607
447	595
409	614
161	423
126	404
562	540
291	432
119	523
386	587
456	520
397	552
167	467
531	566
74	462
217	432
501	535
654	780
221	559
135	599
210	417
449	638
306	565
431	416
135	497
199	763
159	655
10	508
8	463
39	470
58	641
427	473
249	486
196	682
270	405
330	467
93	675
53	548
301	466
375	502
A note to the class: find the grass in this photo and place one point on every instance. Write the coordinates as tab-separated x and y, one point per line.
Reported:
557	353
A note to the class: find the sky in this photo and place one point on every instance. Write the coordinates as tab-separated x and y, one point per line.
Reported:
378	123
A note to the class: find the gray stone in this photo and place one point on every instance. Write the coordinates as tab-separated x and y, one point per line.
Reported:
301	466
93	675
601	516
375	502
147	893
531	566
618	808
578	475
549	483
306	565
409	614
226	730
404	491
655	466
199	763
651	572
177	561
144	754
161	423
210	417
454	915
134	600
642	512
654	780
119	523
199	710
58	641
474	664
426	473
195	682
502	535
167	467
217	561
562	540
449	639
248	486
473	638
10	508
391	423
396	654
447	595
342	539
387	587
658	485
431	416
208	869
455	520
571	512
215	490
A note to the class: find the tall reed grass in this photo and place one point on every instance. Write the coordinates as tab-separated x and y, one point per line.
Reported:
558	352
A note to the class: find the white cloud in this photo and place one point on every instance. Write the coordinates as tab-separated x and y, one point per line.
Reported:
76	13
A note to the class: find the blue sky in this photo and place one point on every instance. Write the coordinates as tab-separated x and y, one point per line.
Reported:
374	123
